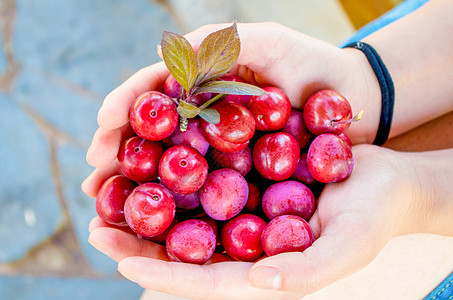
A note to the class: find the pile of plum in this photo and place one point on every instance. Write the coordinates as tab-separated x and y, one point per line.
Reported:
245	186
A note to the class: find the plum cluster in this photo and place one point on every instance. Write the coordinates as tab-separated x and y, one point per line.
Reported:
245	186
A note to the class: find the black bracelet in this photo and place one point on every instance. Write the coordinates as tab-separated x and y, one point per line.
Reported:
387	90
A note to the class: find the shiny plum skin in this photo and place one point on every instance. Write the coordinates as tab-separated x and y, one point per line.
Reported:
288	198
254	198
153	116
329	158
149	209
138	159
296	127
224	194
111	198
324	107
275	155
241	237
271	111
240	161
213	223
302	173
173	89
346	138
286	233
160	239
235	129
182	169
186	202
191	137
191	241
240	99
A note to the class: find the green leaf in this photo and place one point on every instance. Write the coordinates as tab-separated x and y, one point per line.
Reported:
180	59
217	54
210	115
187	110
230	87
211	101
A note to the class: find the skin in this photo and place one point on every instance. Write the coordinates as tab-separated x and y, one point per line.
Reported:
405	192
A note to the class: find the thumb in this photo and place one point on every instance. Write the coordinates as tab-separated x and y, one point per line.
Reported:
337	253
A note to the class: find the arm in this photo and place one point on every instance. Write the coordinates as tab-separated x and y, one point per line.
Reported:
417	52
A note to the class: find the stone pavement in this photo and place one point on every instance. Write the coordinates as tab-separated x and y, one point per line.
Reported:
58	59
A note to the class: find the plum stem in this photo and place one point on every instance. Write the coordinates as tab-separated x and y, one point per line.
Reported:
183	121
356	118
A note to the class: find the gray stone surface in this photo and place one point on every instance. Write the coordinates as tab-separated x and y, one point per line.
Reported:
2	57
52	288
30	210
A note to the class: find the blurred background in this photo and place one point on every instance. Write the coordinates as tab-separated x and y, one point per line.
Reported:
58	60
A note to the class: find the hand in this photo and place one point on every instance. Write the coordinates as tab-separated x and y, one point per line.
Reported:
271	54
352	223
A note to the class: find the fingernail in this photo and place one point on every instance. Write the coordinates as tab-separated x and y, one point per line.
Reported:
99	247
266	278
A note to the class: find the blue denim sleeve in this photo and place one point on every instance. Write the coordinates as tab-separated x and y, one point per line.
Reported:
399	11
445	290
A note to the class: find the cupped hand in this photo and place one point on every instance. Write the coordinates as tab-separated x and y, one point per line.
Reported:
271	54
353	221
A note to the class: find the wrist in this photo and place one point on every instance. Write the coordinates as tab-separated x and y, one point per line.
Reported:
431	201
363	92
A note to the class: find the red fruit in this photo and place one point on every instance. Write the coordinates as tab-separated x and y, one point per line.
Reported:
138	159
276	155
173	89
224	194
271	111
241	237
213	223
345	138
240	99
302	173
286	233
183	169
329	158
160	239
149	209
296	127
191	137
240	161
191	241
111	198
186	202
288	198
153	116
254	198
235	129
327	112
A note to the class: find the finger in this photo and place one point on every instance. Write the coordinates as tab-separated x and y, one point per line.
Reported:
340	251
118	244
114	112
92	184
105	145
97	222
227	280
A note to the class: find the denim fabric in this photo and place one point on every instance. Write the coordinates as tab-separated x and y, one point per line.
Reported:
444	291
399	11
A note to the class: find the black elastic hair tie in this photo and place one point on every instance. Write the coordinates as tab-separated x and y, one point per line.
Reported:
387	90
